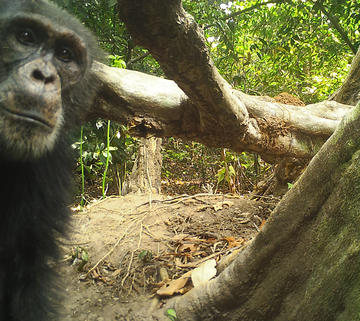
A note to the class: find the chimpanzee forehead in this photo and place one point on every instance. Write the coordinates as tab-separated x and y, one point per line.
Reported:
49	26
58	19
56	15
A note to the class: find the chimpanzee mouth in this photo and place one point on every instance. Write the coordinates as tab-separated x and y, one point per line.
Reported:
29	116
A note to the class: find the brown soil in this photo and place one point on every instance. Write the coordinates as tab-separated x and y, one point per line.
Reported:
120	245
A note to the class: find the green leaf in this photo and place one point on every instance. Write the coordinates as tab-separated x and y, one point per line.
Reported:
84	256
231	171
112	3
220	175
171	314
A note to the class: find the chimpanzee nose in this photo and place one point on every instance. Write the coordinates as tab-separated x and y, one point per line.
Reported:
44	77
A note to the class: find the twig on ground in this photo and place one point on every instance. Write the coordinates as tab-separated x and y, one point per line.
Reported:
132	257
112	249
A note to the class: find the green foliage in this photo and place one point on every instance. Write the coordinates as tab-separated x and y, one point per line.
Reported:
119	153
226	174
267	48
108	155
223	169
188	159
79	257
117	61
237	168
171	314
146	256
81	144
101	17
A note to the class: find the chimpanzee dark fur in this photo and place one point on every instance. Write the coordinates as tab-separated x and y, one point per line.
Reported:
45	88
34	211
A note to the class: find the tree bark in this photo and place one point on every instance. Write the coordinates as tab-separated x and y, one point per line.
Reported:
146	174
305	263
153	106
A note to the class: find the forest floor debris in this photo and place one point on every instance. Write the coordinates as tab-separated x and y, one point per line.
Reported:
122	251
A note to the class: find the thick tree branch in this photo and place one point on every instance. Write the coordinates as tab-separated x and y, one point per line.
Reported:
156	106
177	43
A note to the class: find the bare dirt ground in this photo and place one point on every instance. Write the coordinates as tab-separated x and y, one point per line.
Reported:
123	249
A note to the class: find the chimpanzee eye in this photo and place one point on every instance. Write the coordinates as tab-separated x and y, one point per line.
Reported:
26	36
65	54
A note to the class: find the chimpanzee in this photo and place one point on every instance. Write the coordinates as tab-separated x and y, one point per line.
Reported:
45	86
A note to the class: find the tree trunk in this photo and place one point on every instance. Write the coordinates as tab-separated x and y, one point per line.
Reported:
305	263
146	173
